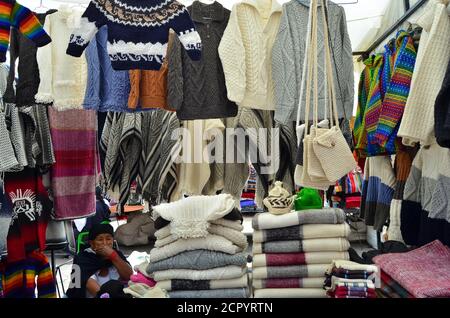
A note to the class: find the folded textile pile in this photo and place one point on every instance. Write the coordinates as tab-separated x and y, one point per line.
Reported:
346	279
421	273
200	249
292	252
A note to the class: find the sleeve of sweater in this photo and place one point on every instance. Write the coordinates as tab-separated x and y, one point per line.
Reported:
28	24
232	55
347	81
175	76
44	59
184	27
284	72
91	20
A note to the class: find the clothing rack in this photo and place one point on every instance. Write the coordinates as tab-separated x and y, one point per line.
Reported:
409	12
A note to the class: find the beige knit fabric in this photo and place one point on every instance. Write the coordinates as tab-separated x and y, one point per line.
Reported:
246	53
434	53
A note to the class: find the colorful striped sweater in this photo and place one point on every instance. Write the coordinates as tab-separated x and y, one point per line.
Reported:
13	14
20	279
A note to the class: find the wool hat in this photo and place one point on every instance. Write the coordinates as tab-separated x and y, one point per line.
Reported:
98	229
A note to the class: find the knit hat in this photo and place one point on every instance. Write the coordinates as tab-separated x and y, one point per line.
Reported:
98	229
279	200
308	199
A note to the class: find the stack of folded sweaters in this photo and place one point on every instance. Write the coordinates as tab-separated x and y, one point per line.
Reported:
292	252
351	280
200	249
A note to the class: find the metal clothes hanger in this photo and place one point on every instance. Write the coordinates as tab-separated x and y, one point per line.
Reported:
41	7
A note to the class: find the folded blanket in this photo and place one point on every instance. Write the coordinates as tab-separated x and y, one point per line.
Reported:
313	245
215	293
290	293
345	289
190	217
286	259
210	242
352	266
308	282
236	237
226	272
303	232
366	284
184	284
391	288
332	281
265	221
297	271
234	219
198	259
144	291
423	272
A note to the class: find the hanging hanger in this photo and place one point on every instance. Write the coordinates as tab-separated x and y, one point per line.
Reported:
41	7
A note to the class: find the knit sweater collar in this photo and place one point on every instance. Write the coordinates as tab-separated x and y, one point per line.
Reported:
204	13
276	7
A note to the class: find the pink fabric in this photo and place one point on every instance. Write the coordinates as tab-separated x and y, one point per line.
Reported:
141	279
423	272
285	259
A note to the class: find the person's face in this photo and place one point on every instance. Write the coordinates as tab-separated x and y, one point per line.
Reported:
102	240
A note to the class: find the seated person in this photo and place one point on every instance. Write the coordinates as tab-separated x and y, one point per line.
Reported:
98	264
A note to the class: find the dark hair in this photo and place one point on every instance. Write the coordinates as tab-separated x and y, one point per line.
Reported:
98	229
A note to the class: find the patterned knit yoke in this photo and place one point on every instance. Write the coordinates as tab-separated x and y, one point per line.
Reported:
138	31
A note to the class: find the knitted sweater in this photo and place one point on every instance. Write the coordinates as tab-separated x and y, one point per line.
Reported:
418	120
425	211
22	48
63	78
288	56
378	190
106	89
21	278
197	89
13	14
138	31
442	113
246	52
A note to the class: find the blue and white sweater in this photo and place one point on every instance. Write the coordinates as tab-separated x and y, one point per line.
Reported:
138	31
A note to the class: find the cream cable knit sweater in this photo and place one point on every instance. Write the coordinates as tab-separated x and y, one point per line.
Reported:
63	77
417	125
246	53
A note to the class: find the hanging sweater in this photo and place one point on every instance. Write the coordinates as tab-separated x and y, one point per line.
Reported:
246	52
22	48
22	278
63	78
13	14
442	113
418	120
425	211
197	89
138	31
288	56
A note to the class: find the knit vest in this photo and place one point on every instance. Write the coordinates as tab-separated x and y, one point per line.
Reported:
138	31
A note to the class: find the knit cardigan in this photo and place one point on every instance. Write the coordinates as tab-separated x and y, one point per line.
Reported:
138	31
63	78
197	89
418	120
246	52
442	113
425	211
14	15
288	55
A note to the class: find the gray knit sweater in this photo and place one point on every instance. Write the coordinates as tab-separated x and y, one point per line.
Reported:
288	55
196	89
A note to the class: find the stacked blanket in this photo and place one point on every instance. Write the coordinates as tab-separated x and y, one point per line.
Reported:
292	252
346	279
199	251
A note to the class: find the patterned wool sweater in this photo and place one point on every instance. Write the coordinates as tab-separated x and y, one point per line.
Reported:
13	14
138	31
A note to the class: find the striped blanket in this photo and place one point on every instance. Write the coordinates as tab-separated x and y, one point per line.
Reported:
287	259
185	284
296	271
307	282
214	293
74	175
290	293
312	245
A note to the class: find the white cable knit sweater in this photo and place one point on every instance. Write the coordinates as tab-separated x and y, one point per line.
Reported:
63	77
417	125
246	53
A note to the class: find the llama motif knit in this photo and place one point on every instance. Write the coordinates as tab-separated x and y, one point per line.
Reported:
246	53
138	31
434	53
13	14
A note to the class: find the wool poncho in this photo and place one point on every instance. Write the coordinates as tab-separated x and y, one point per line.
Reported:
138	31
